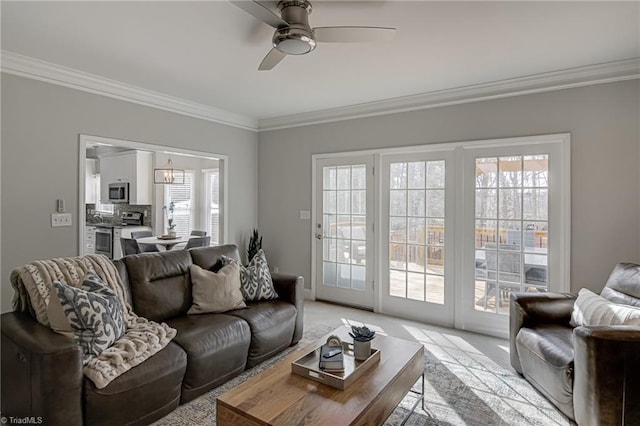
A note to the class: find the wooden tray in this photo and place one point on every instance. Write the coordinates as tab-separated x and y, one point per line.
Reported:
308	366
167	237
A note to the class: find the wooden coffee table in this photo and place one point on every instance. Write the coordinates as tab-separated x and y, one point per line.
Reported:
277	396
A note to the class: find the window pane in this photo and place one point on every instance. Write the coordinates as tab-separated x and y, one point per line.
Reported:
416	255
359	202
510	202
329	273
435	174
486	172
397	283
398	229
435	203
415	286
329	179
344	177
417	175
535	204
359	177
486	232
398	203
416	230
536	171
398	175
435	289
344	202
398	256
416	203
329	202
510	172
435	232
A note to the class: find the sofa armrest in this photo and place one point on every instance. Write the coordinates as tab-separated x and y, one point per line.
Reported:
606	387
290	288
41	372
529	309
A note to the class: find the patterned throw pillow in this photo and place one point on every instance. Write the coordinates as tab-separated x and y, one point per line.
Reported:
255	278
94	312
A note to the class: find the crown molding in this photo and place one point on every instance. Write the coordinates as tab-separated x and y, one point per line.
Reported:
25	66
575	77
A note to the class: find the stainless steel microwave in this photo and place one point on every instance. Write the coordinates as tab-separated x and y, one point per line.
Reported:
118	193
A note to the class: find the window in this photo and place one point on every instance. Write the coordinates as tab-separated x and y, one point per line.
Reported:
212	204
183	198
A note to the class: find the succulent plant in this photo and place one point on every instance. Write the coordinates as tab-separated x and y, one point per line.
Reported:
362	334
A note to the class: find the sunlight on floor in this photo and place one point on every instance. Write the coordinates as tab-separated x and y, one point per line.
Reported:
479	381
348	323
505	348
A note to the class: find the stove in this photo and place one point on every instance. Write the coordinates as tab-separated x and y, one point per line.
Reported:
132	218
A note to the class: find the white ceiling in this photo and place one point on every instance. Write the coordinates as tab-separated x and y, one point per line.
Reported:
208	52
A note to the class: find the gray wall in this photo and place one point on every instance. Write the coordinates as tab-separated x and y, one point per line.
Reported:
605	176
40	127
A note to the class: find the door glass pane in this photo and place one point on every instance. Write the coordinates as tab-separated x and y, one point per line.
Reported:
344	226
511	223
416	230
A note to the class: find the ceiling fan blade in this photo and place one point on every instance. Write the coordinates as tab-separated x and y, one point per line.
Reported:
260	12
272	59
353	34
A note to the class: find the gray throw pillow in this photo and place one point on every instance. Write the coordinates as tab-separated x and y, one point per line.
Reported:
215	292
94	312
255	278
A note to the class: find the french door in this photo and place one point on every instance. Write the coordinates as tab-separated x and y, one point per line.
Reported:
417	236
344	230
458	227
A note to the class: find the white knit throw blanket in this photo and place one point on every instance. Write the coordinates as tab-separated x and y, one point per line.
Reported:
33	284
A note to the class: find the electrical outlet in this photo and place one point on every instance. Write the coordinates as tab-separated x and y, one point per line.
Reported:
61	219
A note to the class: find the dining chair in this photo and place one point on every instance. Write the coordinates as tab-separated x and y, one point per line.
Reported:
199	233
198	242
129	246
144	248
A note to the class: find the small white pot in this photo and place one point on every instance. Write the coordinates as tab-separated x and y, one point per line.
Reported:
361	350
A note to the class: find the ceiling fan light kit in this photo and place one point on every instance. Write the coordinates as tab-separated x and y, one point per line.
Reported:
295	36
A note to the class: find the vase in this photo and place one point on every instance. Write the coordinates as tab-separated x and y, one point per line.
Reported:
172	233
361	350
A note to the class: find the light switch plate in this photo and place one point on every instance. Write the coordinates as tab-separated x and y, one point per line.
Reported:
305	214
61	219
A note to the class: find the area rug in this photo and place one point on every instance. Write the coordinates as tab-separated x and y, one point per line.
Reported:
462	387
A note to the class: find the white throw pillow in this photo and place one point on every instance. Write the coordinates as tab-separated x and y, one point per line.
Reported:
592	309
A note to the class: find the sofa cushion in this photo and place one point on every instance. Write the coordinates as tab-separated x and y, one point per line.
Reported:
546	356
215	292
591	309
272	324
142	395
160	284
216	345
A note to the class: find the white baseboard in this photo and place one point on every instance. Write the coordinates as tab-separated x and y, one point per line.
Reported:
307	294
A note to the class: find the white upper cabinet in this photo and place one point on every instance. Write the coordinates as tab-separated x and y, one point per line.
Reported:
133	167
91	195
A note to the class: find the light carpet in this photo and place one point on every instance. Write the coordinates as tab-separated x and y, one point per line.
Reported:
462	387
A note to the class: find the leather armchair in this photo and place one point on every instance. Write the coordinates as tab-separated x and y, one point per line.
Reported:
589	372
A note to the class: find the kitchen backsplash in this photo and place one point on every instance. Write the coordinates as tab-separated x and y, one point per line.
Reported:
99	217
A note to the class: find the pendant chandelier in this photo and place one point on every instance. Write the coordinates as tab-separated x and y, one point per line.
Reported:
168	175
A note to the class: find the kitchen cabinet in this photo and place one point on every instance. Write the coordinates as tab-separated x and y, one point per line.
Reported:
90	240
133	167
92	182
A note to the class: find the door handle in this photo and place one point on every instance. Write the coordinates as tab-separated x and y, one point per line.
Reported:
318	236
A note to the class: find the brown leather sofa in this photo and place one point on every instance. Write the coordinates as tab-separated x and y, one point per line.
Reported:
42	370
592	374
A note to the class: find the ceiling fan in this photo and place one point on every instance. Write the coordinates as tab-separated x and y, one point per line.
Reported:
294	35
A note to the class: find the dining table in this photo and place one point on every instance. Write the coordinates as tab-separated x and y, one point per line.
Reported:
166	242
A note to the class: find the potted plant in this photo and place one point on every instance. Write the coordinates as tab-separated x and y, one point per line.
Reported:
255	244
362	338
171	226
